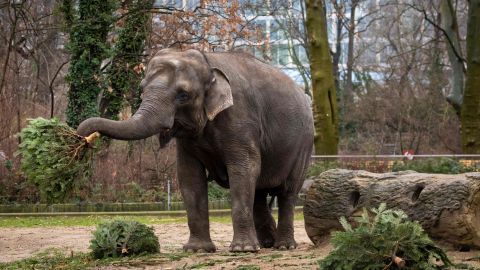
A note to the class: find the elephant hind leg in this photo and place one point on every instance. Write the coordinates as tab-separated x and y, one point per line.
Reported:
284	238
286	203
264	223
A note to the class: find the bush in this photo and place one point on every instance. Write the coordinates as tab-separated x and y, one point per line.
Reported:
216	192
379	240
53	157
319	167
123	238
433	165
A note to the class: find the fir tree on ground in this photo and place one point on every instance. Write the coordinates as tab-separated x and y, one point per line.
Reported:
384	240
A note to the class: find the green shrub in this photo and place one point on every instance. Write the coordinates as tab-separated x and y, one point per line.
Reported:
376	239
432	165
216	192
134	192
53	157
321	166
123	238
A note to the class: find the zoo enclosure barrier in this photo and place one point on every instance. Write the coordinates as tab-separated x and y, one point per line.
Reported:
387	163
372	163
111	207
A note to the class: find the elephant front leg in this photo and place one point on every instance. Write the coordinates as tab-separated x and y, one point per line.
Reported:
242	179
193	185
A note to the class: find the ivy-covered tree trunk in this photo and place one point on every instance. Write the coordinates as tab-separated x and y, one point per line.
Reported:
88	47
323	83
470	117
125	73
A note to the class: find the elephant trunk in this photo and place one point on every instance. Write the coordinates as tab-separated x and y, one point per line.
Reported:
136	128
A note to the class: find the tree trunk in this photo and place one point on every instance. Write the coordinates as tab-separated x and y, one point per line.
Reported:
339	9
88	48
470	117
351	42
449	23
446	206
323	83
124	75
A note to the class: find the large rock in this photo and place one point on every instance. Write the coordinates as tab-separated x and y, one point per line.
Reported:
447	206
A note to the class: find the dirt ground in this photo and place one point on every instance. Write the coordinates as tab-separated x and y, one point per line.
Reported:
18	243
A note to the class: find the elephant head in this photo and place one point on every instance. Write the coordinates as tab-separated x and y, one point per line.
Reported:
181	91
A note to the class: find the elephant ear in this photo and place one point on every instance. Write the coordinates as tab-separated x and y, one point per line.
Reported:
219	96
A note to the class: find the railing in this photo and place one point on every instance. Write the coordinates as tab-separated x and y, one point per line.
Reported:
385	163
114	207
103	207
373	163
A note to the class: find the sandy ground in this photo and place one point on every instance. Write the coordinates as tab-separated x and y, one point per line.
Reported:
20	243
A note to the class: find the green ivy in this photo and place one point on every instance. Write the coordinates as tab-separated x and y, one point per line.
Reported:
375	239
67	9
54	158
88	47
124	80
123	238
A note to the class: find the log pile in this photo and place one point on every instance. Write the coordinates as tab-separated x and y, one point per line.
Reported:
447	206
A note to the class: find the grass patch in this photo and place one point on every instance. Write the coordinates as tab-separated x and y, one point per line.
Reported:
248	267
204	264
27	222
177	256
270	258
66	221
55	259
234	254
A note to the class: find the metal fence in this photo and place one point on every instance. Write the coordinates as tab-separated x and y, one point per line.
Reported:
320	163
387	163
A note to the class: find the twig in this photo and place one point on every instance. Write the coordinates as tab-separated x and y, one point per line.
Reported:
397	260
92	137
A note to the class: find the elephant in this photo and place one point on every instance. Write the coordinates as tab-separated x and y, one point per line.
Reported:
237	120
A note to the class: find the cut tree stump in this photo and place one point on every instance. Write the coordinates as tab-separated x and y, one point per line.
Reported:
447	206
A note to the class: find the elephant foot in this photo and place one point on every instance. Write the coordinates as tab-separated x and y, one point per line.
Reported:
244	245
284	244
266	236
266	242
199	246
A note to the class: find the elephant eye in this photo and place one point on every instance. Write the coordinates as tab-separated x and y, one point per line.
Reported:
182	96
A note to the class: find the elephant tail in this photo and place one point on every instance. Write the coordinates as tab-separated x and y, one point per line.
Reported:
272	200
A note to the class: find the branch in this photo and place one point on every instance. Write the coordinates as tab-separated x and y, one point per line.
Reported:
450	42
50	87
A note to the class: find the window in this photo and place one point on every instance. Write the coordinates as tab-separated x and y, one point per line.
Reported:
259	52
261	27
280	54
301	54
277	30
168	3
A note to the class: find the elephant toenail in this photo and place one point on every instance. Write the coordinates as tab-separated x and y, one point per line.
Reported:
282	248
291	247
190	250
248	248
237	248
201	250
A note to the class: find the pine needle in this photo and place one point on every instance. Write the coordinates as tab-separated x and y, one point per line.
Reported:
54	158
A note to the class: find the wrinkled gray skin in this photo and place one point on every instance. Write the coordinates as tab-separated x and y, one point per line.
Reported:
236	119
